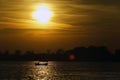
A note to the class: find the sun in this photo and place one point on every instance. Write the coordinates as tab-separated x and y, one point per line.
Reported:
42	14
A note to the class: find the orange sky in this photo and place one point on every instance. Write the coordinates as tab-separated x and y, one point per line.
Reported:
75	23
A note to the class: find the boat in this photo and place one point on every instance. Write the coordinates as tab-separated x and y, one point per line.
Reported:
41	62
45	63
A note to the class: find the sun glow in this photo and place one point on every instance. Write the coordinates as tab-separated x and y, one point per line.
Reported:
42	14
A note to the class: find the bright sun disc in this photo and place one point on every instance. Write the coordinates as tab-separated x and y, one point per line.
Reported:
43	14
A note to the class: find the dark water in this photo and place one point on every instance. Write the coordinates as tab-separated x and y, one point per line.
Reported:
60	71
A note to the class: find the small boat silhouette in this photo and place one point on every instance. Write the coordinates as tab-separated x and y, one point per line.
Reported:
41	63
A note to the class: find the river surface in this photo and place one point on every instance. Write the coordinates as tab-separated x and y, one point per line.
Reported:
60	71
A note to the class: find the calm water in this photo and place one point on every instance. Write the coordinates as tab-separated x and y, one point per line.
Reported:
60	71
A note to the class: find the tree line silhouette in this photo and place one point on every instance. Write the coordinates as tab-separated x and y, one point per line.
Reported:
91	53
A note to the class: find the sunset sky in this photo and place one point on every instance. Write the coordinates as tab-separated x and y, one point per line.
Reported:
70	23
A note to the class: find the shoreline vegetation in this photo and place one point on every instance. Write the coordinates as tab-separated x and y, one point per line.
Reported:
91	53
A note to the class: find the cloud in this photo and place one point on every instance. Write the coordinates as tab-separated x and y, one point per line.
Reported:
75	13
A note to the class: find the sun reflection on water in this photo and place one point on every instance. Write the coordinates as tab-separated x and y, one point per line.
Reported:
40	72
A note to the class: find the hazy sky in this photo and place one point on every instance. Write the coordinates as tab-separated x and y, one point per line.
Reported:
75	23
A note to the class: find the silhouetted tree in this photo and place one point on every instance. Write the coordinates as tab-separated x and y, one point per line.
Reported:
117	55
18	52
91	53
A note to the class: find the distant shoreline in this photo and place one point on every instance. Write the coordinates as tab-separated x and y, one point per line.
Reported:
91	53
